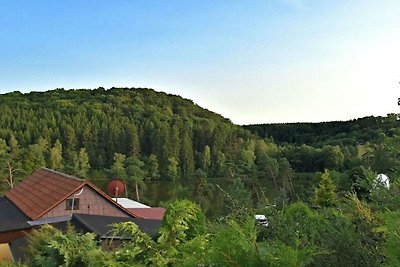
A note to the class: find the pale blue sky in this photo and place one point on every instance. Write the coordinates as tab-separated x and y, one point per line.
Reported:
250	61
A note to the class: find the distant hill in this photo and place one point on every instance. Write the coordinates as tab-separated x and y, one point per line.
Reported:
351	132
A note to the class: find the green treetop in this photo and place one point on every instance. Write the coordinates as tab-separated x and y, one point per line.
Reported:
325	194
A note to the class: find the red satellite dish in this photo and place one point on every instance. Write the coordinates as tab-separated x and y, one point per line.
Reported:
116	188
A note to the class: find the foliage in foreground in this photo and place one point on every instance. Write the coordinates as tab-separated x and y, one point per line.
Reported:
350	234
51	247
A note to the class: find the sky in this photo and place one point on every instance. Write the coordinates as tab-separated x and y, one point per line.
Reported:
267	61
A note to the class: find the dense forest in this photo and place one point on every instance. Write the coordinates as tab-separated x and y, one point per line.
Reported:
357	131
140	135
84	131
315	182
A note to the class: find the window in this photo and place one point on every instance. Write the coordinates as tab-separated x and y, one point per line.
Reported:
72	201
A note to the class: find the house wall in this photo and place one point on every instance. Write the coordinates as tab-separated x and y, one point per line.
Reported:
5	253
90	202
6	237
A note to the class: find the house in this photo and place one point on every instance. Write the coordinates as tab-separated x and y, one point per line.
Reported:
140	209
5	253
47	193
12	221
51	197
149	213
100	225
129	203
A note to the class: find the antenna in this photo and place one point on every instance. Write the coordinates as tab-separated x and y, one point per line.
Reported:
115	188
73	200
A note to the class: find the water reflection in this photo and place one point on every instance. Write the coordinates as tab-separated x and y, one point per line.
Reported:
211	194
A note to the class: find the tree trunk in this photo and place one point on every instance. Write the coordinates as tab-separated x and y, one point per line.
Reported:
10	178
137	191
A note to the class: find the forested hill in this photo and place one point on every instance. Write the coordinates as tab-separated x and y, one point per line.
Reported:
84	130
368	129
140	135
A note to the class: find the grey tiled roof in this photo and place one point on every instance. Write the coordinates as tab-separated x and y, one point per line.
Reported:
11	217
101	225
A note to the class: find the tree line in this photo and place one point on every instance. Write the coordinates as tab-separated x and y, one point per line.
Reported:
138	134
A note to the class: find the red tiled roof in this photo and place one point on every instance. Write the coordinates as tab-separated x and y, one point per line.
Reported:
42	191
148	213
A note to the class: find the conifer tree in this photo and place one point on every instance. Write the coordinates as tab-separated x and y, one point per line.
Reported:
55	156
4	159
79	163
286	175
118	168
325	194
153	167
135	173
172	169
206	159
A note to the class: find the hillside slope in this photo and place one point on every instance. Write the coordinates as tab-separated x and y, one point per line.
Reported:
98	123
142	135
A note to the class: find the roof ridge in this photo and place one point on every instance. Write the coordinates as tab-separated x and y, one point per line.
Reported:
46	188
64	175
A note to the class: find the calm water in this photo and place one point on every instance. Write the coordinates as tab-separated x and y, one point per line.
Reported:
210	194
